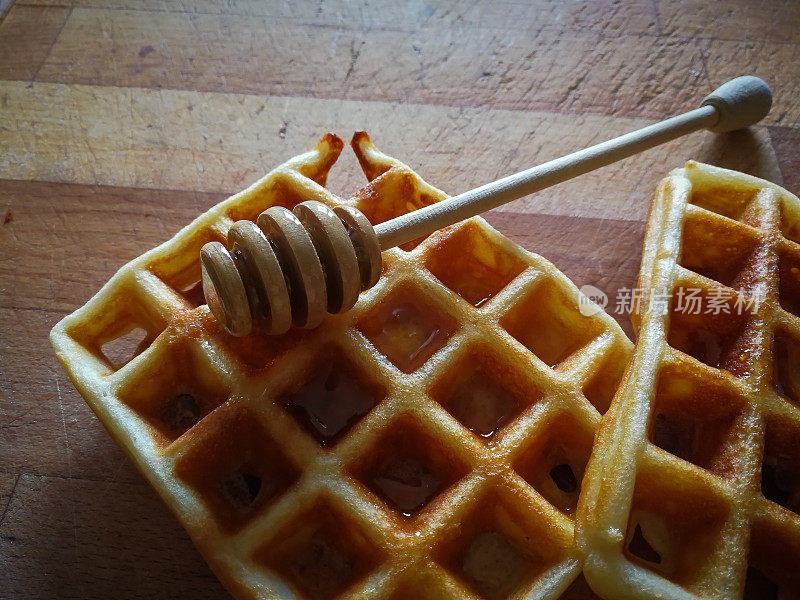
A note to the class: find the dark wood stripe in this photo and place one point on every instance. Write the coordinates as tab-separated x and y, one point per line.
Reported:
72	238
26	35
739	20
549	69
786	142
83	539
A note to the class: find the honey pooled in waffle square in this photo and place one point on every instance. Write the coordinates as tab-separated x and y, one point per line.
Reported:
694	487
429	443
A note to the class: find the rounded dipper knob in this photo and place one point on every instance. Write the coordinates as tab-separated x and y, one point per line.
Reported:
741	102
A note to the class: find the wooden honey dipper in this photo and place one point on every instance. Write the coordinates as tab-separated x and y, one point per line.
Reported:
291	267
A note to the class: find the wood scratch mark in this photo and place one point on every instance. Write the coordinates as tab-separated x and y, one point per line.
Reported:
10	496
354	54
71	498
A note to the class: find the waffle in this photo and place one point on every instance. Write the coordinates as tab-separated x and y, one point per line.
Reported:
429	443
694	487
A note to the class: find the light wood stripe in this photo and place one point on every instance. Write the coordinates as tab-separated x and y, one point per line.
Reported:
609	16
222	142
741	20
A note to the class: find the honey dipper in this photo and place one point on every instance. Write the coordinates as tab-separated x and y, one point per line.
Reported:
291	267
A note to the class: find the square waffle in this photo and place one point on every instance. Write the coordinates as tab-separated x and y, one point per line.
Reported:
694	487
429	443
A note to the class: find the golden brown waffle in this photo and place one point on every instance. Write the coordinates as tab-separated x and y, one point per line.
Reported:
430	443
694	487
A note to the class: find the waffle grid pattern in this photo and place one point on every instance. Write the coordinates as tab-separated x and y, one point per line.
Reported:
694	487
286	495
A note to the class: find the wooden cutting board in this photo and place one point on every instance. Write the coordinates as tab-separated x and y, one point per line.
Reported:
123	119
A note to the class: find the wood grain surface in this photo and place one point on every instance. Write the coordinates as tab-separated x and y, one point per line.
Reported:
123	119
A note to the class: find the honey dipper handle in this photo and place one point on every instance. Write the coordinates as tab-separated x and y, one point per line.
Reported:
736	104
